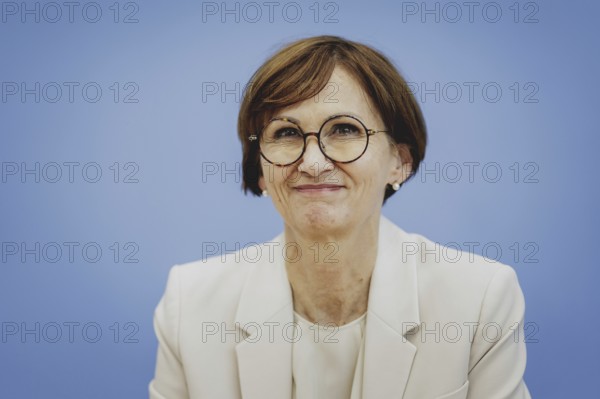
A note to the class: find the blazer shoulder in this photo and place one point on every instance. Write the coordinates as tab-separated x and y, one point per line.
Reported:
220	275
449	265
450	257
216	272
474	287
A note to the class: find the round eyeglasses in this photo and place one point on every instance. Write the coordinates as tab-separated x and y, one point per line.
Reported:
341	138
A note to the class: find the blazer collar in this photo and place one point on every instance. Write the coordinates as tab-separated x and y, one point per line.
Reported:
265	315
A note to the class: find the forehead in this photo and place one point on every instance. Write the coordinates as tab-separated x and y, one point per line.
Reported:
342	94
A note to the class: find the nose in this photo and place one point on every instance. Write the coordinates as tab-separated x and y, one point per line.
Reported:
313	161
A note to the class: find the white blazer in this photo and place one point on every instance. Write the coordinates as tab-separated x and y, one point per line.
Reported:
441	324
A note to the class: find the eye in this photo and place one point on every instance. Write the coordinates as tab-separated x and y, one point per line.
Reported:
287	132
345	129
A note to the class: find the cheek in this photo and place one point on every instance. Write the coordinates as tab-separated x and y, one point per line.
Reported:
269	175
276	178
369	174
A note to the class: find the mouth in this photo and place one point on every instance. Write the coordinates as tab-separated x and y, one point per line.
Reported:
317	188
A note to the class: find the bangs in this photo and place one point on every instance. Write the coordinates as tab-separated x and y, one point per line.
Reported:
294	79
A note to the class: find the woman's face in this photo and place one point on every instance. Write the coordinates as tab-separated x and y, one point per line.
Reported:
319	197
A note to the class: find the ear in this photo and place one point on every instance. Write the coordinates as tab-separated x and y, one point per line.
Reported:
402	164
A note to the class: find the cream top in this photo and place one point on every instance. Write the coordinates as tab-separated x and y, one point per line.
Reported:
324	358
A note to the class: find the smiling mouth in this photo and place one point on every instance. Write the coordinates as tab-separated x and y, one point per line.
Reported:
316	188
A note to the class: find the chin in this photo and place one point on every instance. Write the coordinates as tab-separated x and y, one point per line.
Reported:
323	217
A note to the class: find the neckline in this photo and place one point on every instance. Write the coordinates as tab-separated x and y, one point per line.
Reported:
358	320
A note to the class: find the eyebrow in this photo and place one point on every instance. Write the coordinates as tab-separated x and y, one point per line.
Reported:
296	121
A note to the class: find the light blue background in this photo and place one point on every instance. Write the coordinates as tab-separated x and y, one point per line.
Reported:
177	130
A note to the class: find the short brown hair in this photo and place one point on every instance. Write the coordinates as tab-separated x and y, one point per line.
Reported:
300	71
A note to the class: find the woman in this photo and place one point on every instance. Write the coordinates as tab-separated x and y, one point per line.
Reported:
343	303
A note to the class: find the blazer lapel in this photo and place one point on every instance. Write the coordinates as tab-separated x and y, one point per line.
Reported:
265	315
393	312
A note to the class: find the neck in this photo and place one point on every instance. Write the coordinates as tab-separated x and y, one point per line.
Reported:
330	274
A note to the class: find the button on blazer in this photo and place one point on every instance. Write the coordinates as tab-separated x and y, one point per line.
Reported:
440	324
